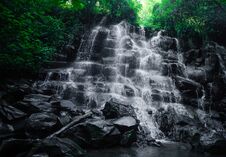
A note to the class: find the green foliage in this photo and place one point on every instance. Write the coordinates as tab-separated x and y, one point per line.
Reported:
123	9
190	18
32	31
29	35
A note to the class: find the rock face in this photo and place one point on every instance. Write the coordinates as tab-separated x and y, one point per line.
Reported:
53	147
99	133
114	109
57	147
40	125
126	123
135	90
206	66
10	113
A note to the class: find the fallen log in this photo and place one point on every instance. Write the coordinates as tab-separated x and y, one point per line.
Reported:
73	122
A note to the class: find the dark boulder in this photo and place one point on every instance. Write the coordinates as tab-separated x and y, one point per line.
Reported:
110	73
117	109
95	133
167	43
10	113
126	123
42	106
171	69
6	131
128	138
100	133
92	104
193	55
129	91
58	147
201	75
212	142
176	126
188	87
65	105
40	125
183	84
64	118
37	98
15	91
58	76
127	44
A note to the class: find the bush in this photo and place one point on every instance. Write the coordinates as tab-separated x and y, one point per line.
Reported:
32	31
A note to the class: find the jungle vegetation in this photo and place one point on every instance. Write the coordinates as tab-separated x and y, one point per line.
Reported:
32	31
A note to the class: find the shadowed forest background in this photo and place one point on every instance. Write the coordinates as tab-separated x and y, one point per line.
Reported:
33	31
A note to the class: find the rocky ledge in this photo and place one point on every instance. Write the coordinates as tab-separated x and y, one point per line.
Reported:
38	123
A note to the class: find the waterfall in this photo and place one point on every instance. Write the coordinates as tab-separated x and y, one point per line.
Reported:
119	62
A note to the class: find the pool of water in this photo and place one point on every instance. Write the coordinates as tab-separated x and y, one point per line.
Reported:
167	150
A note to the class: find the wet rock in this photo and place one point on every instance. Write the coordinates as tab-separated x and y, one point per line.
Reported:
211	142
116	109
108	51
97	112
59	76
185	133
40	125
26	107
191	55
183	84
156	97
126	123
64	105
149	111
92	104
128	138
191	101
200	74
58	147
109	73
167	43
165	120
129	91
37	98
100	131
41	106
176	126
171	69
127	44
77	97
6	131
64	118
10	113
94	133
188	87
15	91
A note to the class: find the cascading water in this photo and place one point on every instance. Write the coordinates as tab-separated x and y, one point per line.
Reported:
119	62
